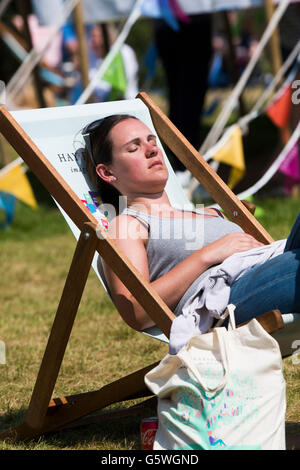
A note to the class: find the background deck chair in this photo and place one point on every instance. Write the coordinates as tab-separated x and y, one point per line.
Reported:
49	141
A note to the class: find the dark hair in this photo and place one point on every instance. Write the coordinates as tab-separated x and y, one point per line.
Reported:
101	148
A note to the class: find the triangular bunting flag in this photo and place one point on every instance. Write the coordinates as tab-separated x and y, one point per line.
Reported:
16	182
168	14
178	11
116	77
279	109
290	168
231	152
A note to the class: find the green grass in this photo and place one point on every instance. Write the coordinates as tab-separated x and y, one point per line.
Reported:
35	255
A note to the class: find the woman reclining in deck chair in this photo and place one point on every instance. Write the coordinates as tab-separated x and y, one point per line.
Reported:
176	249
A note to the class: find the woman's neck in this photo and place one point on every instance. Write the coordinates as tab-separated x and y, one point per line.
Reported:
155	204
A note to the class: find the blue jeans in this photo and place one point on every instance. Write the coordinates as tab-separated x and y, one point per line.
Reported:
273	285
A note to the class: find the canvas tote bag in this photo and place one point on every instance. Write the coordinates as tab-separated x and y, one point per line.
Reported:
224	390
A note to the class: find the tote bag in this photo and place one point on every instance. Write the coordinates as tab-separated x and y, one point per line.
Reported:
224	390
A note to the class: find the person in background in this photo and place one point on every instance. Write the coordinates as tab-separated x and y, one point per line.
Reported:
97	52
185	55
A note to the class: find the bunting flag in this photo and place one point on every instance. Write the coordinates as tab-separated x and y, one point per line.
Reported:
116	77
7	204
178	11
171	11
290	168
229	150
279	109
168	15
15	182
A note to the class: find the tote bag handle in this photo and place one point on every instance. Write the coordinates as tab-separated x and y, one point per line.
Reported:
222	336
188	362
228	312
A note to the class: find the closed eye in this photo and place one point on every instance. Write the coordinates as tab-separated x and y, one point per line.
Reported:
152	138
134	144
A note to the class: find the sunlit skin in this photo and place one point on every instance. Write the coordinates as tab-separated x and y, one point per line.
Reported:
138	165
139	172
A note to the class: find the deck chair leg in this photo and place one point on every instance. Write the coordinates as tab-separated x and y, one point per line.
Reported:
62	327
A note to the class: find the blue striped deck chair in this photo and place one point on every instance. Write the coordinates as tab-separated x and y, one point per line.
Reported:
49	141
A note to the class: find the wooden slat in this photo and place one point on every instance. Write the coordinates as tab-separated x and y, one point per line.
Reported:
126	388
202	171
61	328
271	321
249	205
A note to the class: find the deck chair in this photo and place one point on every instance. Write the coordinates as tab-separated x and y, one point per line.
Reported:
49	140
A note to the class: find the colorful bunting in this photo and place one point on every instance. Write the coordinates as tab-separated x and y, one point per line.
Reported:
290	168
178	11
171	11
168	15
15	182
279	109
229	150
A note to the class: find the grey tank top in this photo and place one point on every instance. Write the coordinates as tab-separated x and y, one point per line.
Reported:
171	240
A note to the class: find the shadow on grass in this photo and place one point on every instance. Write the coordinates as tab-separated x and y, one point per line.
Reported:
292	435
114	433
115	428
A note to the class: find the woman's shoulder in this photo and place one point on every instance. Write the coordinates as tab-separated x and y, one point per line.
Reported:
125	226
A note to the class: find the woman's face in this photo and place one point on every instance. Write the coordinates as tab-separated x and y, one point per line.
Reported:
138	163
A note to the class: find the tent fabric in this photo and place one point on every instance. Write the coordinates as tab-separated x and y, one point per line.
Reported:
105	10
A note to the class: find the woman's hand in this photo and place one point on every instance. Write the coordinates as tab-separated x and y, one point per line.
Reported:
216	252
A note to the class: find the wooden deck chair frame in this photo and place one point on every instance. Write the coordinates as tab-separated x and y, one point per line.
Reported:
45	414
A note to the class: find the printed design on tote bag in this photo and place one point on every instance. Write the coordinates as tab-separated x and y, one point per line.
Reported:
214	441
210	417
